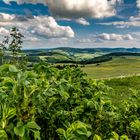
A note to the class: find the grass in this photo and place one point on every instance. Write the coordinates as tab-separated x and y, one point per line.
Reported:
62	55
84	56
55	57
110	71
123	87
119	66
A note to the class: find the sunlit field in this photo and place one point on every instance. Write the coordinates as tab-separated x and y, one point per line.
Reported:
118	67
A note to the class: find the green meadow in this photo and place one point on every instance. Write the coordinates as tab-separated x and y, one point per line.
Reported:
117	67
124	88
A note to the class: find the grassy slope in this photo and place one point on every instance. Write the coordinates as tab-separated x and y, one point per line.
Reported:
119	66
123	87
125	66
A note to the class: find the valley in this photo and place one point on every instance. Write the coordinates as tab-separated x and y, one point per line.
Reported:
96	63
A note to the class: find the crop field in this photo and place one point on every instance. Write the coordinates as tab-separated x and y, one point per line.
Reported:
118	66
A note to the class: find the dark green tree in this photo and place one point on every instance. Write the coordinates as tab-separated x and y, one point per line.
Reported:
15	43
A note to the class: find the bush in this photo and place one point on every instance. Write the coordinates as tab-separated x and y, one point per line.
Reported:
51	104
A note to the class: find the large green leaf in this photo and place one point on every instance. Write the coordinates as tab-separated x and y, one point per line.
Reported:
82	131
4	68
12	68
124	137
115	135
3	135
61	131
19	129
11	112
96	137
36	135
32	125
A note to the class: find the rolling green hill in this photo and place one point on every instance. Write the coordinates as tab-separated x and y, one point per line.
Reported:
97	63
117	67
80	56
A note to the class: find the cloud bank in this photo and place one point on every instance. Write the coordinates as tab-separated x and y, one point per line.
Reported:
3	31
138	3
106	37
48	27
82	21
81	8
134	21
76	8
114	37
42	26
6	17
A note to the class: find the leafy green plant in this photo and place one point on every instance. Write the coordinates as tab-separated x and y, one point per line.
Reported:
46	103
96	137
77	130
16	42
25	130
6	114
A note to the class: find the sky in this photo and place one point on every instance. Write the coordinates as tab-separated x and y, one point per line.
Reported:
73	23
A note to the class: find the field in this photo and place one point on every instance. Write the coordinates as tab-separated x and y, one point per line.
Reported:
123	87
117	67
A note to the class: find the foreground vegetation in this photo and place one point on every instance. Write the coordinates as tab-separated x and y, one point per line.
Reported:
46	103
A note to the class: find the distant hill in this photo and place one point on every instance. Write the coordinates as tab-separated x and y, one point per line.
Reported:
79	55
93	50
108	57
83	50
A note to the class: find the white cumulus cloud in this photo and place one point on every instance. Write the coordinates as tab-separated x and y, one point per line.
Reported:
114	37
6	17
41	26
3	31
138	3
134	21
81	8
77	8
82	21
48	27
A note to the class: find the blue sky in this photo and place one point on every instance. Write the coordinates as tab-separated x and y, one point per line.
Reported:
75	23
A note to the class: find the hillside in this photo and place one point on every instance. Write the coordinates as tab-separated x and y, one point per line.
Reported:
117	67
83	50
79	55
